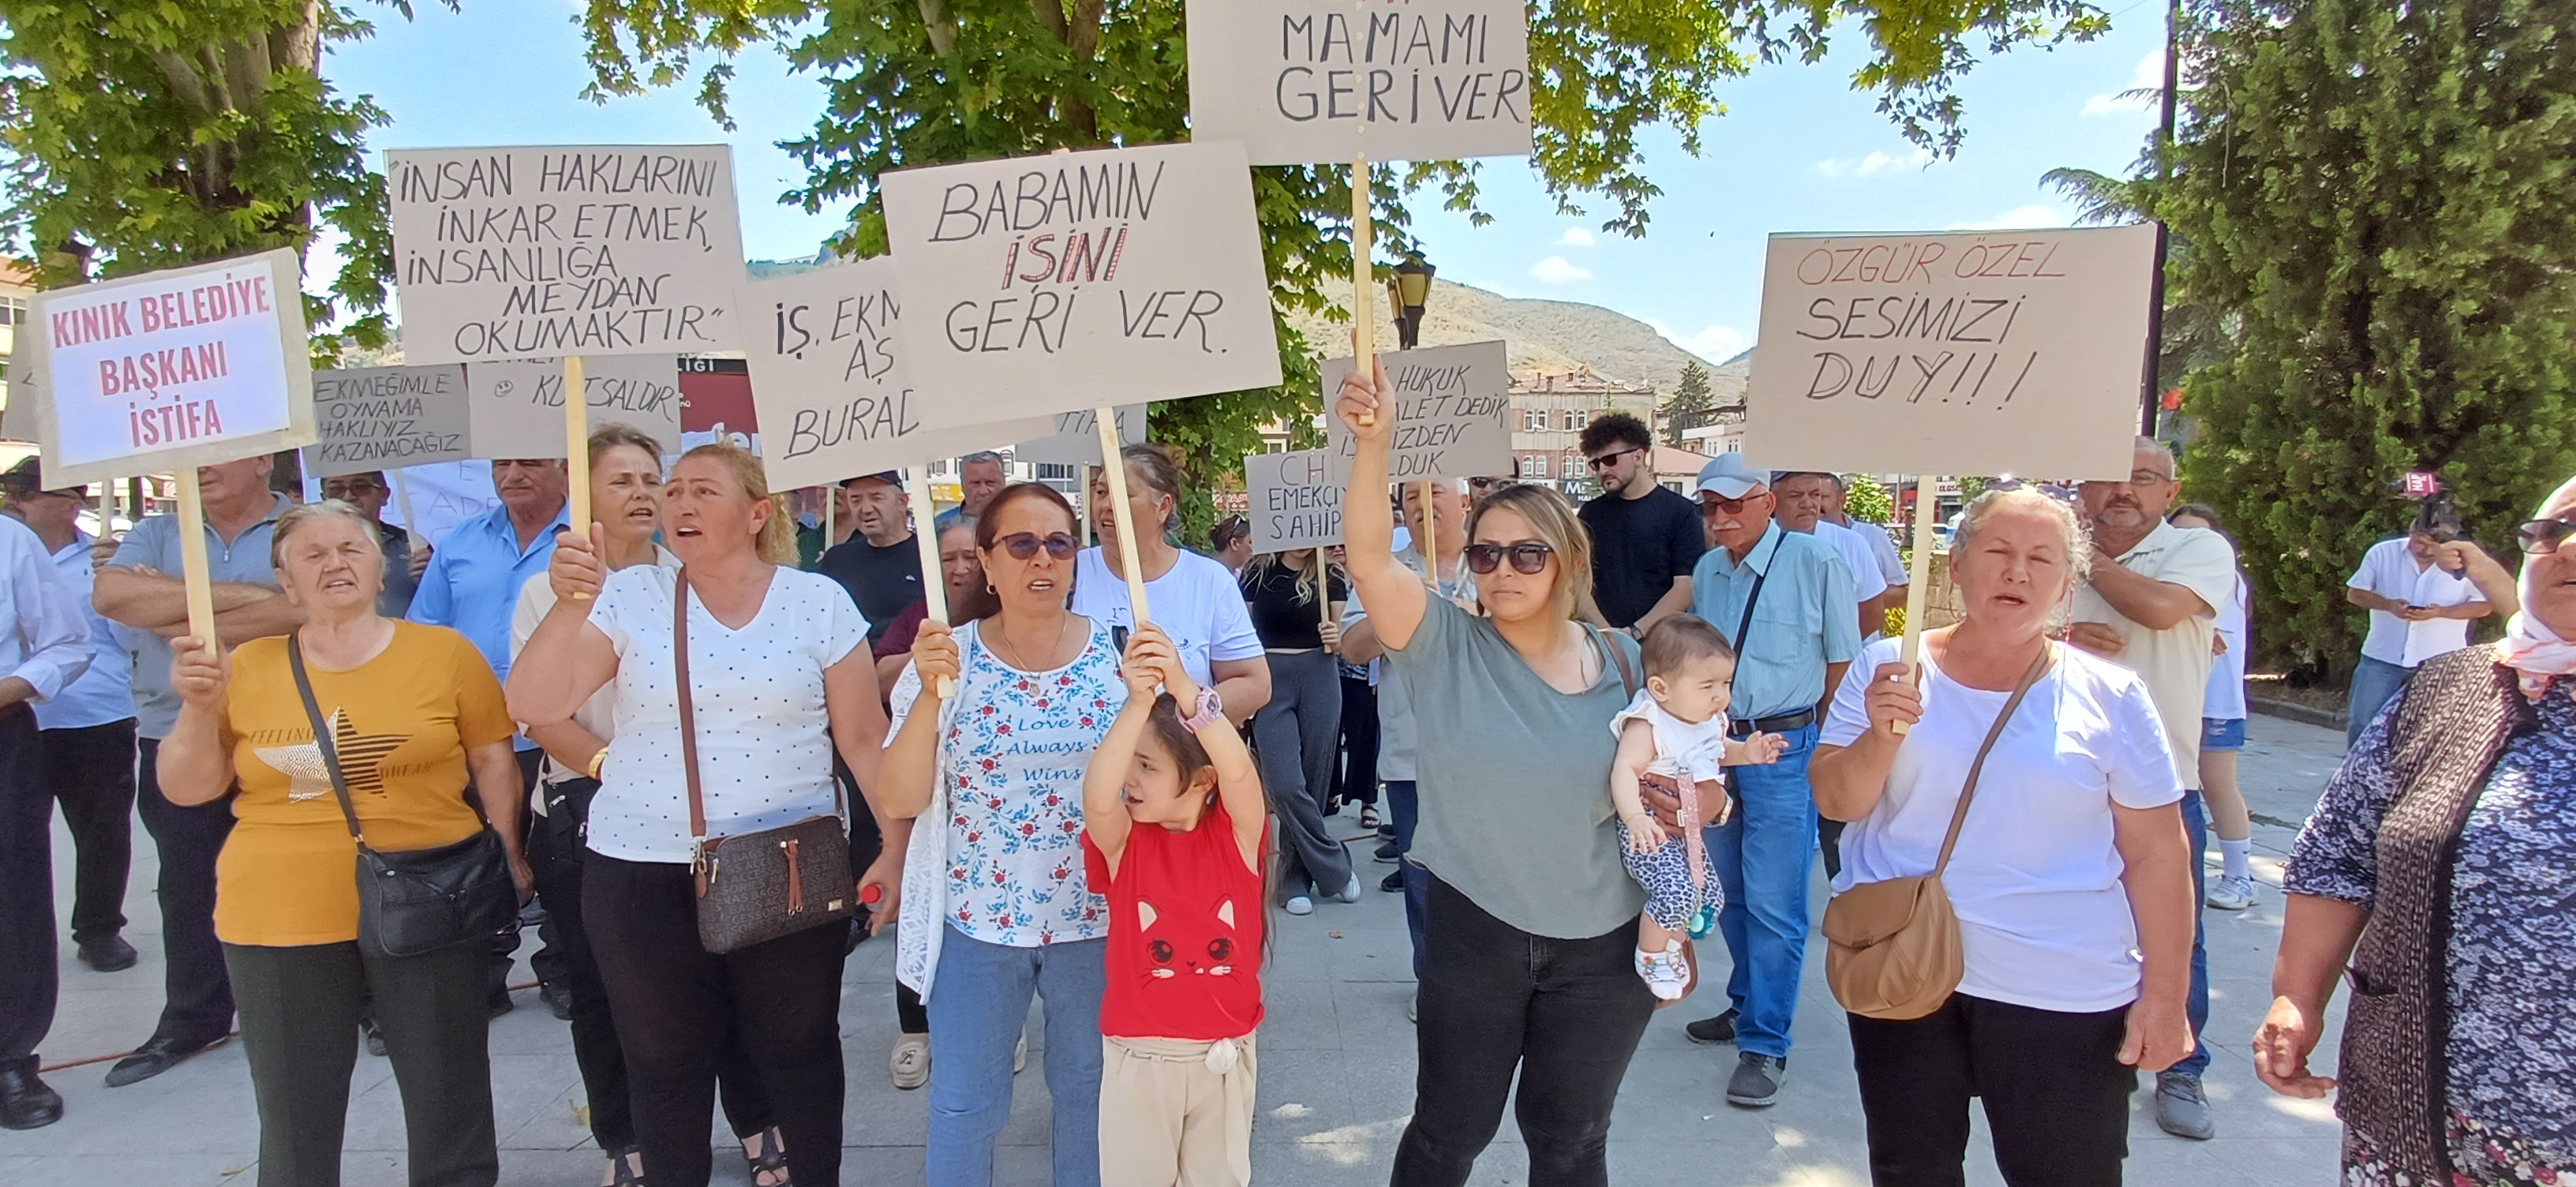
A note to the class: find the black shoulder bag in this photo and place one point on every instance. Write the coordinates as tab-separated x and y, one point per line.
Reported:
418	900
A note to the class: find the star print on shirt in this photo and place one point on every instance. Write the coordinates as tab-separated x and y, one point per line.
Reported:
361	758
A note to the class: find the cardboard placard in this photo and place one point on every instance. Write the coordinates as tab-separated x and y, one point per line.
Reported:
169	370
1450	407
1075	437
517	404
1295	501
1305	81
1974	352
381	418
828	375
1056	283
440	496
550	250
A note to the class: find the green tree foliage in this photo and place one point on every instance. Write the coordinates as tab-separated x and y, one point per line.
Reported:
917	82
1691	405
137	135
1867	500
2383	197
2194	333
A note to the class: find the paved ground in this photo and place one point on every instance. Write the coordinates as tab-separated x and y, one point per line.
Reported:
1336	1082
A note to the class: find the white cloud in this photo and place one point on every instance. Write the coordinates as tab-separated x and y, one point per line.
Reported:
1555	270
1715	344
2149	77
1876	164
2019	217
1574	237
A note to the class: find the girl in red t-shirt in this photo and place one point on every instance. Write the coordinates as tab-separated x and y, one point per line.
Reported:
1173	823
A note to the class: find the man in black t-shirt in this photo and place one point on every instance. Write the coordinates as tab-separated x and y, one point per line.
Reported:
879	564
1644	538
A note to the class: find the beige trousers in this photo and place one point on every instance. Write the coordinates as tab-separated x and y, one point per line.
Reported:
1169	1120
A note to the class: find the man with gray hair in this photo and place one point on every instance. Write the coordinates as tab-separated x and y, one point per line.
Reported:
979	475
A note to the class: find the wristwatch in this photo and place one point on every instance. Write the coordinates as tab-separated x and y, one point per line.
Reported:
1211	710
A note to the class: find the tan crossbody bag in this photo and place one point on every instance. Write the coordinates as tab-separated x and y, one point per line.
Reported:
1893	945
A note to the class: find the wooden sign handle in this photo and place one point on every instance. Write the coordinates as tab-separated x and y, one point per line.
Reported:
1115	467
1363	292
925	535
1918	585
411	524
192	559
576	398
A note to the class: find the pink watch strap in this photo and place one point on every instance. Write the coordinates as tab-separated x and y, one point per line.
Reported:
1211	710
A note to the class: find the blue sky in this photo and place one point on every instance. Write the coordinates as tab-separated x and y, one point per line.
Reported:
1797	150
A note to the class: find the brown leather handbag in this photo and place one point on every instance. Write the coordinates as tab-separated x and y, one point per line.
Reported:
756	887
1892	946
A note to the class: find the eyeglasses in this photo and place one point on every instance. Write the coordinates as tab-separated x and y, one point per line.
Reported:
1023	545
1607	460
1484	483
2541	537
1527	556
1708	507
348	490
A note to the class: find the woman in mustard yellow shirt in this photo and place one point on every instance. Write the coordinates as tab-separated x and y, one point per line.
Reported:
418	724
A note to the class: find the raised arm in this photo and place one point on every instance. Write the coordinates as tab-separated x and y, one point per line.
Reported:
566	659
1394	596
1104	779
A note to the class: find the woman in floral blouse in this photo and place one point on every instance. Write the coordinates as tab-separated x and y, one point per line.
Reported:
2435	874
994	904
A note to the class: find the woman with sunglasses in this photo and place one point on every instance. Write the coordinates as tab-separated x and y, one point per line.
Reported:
2434	876
1532	918
995	905
1194	599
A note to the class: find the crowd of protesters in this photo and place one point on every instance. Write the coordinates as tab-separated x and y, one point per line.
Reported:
1597	745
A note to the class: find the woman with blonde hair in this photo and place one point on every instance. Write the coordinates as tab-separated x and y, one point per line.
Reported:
1532	917
1295	605
415	718
779	678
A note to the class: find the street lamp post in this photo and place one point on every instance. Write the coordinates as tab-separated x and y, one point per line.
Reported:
1411	291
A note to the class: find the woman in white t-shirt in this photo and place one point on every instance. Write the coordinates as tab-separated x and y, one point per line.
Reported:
779	677
2071	879
1194	599
2222	733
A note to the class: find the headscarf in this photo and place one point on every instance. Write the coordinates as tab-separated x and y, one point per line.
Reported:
2529	646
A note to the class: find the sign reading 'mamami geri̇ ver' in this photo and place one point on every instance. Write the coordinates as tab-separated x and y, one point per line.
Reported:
1302	81
514	253
1975	352
178	368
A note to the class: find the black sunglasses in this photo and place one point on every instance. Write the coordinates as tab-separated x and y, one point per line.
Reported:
1023	545
1605	461
1527	557
2541	537
1482	483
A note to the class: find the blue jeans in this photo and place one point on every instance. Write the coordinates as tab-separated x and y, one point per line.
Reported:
1762	855
2373	684
2195	825
979	1000
1404	804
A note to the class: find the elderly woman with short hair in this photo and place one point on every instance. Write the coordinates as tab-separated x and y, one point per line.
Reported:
2435	877
418	723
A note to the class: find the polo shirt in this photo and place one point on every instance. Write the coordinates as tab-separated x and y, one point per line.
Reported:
105	692
2175	662
154	544
472	582
1867	581
1806	618
2391	572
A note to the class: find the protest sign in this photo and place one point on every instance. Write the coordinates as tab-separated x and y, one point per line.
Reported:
1294	499
1983	352
379	418
1074	439
829	376
1450	404
1304	81
508	253
1054	283
169	370
517	404
434	498
715	403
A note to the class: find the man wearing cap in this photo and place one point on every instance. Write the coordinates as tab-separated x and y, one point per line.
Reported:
367	491
44	648
141	588
1784	600
879	564
88	730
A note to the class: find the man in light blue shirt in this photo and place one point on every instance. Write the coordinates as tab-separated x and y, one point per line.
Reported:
979	478
1784	600
44	647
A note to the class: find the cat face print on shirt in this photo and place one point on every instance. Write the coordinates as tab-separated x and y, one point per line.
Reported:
1188	944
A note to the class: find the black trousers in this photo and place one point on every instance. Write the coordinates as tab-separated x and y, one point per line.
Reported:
28	979
299	1022
91	771
866	845
548	960
1565	1014
2055	1093
1355	781
555	851
678	1005
198	993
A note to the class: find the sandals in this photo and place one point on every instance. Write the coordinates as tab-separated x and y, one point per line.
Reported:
771	1161
1368	816
625	1169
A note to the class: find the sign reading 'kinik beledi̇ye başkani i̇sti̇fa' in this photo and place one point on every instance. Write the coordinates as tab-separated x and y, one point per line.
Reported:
538	252
183	367
1304	81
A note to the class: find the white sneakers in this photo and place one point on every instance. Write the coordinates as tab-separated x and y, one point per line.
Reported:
1666	973
2230	893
